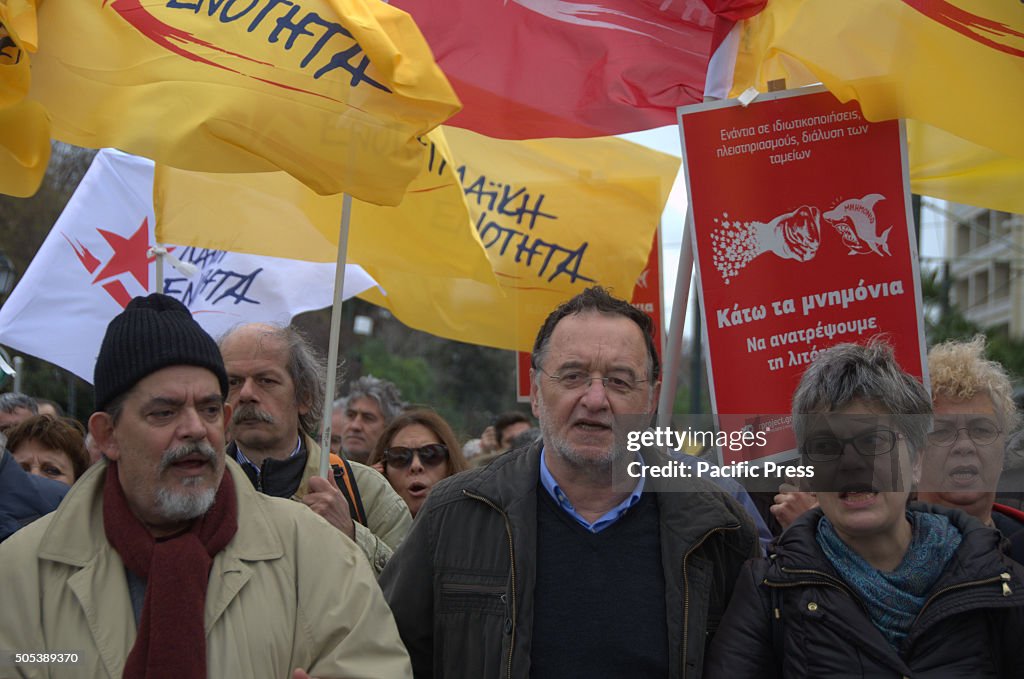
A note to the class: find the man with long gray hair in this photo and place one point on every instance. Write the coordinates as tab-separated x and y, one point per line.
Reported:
276	387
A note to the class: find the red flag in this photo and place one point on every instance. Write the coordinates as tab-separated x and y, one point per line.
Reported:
552	68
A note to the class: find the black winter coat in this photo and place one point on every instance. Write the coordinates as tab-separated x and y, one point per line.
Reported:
461	584
793	616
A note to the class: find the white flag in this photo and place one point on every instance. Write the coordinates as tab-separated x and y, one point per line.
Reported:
96	259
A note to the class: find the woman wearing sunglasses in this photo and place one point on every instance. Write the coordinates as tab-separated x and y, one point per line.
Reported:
866	585
417	450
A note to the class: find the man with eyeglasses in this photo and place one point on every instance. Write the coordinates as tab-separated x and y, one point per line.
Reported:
974	411
275	387
552	561
162	561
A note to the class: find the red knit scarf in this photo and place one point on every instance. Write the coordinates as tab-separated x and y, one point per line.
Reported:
171	642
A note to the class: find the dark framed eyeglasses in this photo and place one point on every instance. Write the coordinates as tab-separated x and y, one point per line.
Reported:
430	455
827	448
982	433
573	379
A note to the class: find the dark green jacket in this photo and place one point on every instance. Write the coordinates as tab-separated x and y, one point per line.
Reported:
461	585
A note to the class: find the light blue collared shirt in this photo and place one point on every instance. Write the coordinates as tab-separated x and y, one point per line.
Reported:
241	459
562	500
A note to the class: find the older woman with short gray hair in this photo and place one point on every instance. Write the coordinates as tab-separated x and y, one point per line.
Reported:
866	585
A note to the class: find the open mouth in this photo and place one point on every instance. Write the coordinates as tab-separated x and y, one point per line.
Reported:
191	463
858	496
418	488
592	426
849	237
802	233
964	475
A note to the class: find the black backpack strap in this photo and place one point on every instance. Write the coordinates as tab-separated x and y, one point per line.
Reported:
346	481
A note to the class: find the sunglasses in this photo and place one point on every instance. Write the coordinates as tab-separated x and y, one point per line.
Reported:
430	455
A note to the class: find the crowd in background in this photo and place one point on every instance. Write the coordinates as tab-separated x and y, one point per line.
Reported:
474	559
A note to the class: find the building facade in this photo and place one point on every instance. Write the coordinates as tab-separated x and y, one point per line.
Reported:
986	266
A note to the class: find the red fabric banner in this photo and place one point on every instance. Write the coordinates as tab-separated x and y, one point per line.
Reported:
548	68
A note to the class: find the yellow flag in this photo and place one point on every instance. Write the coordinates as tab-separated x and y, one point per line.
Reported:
273	214
948	167
333	92
556	216
955	66
24	128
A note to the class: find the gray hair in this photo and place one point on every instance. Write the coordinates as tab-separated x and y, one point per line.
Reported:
12	400
385	393
308	370
597	300
959	370
339	404
848	372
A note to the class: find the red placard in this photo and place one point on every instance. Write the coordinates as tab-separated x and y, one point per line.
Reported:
646	297
803	239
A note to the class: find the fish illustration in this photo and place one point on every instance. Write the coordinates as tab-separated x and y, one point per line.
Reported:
855	221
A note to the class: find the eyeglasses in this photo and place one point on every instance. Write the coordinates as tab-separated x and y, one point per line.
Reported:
981	432
430	455
869	444
571	380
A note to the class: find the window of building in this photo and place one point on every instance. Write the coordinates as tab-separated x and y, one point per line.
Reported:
979	289
982	228
1001	281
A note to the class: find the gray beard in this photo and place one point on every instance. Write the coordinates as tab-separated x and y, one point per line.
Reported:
177	505
596	467
183	504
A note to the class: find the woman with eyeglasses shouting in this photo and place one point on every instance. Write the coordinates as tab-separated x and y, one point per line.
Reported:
417	450
867	585
963	461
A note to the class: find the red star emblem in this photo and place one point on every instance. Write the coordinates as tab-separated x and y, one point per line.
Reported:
130	255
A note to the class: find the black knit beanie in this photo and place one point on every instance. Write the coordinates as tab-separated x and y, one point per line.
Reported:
152	332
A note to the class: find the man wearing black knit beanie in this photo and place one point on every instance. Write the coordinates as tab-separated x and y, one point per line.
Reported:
163	561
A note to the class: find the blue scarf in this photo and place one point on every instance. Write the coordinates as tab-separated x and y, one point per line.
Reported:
894	599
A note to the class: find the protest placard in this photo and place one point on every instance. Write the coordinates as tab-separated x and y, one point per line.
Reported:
803	239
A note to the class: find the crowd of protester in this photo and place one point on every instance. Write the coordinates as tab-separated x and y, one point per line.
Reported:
186	531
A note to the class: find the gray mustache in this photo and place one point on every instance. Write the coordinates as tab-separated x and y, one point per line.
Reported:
172	455
251	413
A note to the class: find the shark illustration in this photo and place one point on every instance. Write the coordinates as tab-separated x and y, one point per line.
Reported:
855	221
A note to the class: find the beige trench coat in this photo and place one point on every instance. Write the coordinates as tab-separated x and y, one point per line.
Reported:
286	592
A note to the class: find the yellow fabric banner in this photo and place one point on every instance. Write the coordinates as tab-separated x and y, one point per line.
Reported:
556	216
550	216
333	92
271	213
24	128
955	66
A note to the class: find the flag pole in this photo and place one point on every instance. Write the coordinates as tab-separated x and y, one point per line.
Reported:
160	251
716	86
674	346
332	347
